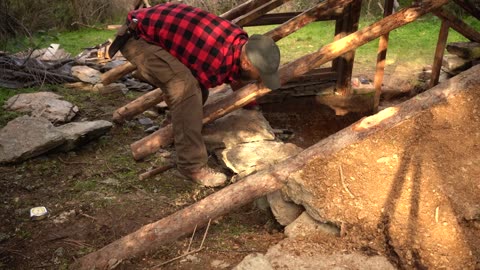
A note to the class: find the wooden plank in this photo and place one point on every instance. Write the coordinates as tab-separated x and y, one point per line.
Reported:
256	13
345	74
458	24
164	136
243	8
439	51
325	8
474	11
381	57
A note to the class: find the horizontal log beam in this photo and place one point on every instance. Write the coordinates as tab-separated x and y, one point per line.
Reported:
280	18
242	9
153	142
256	13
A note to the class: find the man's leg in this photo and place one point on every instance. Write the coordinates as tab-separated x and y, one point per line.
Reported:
184	98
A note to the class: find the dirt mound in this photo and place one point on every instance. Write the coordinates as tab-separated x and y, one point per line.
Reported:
412	192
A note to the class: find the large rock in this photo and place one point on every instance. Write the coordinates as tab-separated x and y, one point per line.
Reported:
246	158
291	254
241	126
27	137
295	255
86	74
285	212
305	226
78	133
43	104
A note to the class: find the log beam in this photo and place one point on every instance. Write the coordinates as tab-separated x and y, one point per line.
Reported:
326	8
256	13
153	142
458	24
242	9
474	11
439	52
116	73
138	106
381	57
151	236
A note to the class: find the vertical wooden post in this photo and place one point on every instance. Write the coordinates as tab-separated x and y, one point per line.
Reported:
340	32
381	56
345	64
439	51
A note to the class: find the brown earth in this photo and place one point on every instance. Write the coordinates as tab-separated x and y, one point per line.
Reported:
87	213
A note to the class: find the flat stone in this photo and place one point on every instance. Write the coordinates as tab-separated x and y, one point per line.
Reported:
255	261
455	64
78	133
305	226
285	212
26	137
86	74
241	126
246	158
43	104
292	255
112	88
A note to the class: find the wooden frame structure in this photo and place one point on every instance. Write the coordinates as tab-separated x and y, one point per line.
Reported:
235	195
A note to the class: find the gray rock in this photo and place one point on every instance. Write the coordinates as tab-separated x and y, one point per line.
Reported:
78	133
289	255
26	137
145	121
43	104
247	158
305	225
219	264
255	261
86	74
241	126
285	212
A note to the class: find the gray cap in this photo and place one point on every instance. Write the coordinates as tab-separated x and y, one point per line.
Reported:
265	56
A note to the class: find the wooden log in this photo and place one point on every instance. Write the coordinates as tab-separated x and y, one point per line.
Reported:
242	9
116	73
458	24
153	142
151	236
474	11
326	8
439	51
138	106
381	57
254	14
345	67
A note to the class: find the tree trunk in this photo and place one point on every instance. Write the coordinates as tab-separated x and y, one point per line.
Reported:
246	190
163	137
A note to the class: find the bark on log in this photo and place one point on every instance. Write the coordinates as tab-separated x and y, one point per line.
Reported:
150	144
138	106
326	8
256	13
458	24
242	9
180	223
117	73
469	7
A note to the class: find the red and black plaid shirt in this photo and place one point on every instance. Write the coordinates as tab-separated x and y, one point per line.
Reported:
208	45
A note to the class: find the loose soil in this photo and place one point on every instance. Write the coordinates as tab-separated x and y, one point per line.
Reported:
87	212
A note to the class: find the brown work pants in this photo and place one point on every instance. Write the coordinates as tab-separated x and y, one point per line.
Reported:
182	95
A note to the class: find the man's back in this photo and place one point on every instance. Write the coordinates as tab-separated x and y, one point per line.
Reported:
207	44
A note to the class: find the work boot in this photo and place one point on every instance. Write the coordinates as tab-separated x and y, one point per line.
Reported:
205	176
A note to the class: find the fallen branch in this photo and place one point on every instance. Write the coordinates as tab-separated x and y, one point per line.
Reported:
155	171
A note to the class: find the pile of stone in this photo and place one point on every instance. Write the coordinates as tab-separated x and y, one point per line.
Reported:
461	56
45	128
